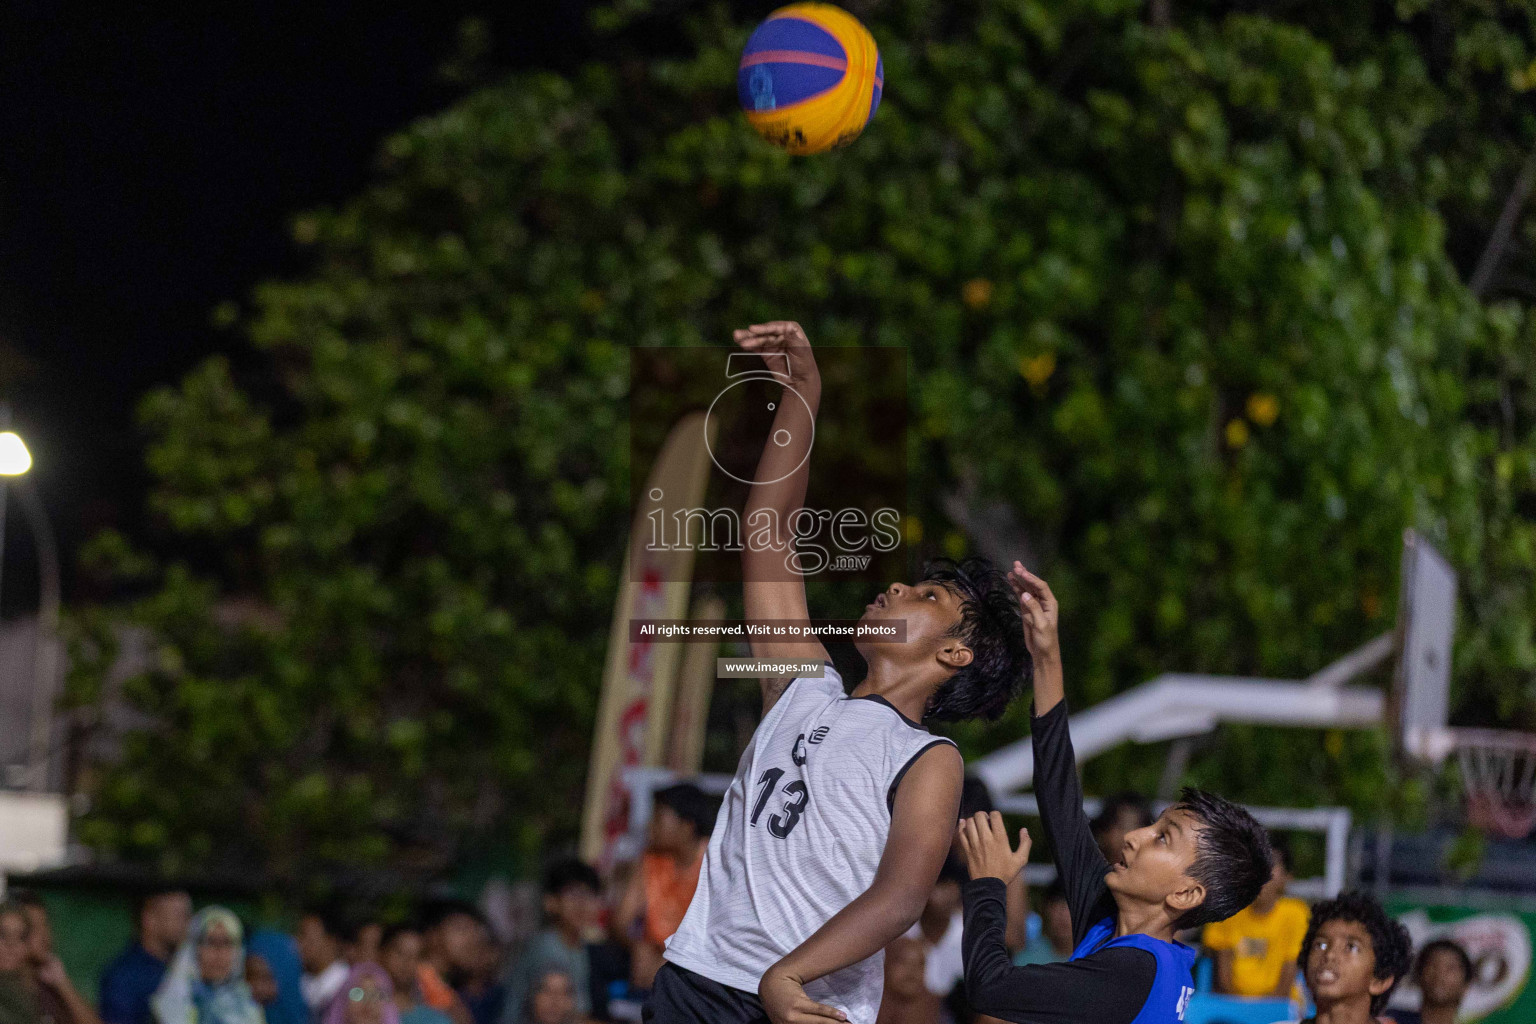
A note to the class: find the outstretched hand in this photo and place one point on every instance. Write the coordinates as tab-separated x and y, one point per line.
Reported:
781	337
984	843
1037	607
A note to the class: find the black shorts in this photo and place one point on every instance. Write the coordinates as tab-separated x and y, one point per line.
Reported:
680	996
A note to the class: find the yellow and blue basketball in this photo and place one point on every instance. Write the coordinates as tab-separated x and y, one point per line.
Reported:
810	78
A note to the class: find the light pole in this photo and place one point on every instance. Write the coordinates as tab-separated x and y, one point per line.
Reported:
15	461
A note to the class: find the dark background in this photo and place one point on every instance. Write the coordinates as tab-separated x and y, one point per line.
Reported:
151	160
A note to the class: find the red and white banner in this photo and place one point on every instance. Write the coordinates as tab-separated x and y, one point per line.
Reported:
634	716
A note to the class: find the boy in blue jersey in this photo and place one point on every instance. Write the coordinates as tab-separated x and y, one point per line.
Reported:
1203	860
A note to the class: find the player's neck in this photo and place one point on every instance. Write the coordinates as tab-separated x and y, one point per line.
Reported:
1354	1010
906	687
1141	919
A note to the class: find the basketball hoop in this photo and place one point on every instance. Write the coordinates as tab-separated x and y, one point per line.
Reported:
1498	772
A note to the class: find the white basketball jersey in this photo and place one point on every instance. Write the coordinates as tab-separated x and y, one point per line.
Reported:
799	836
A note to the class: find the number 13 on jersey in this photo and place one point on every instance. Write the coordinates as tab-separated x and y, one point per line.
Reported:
796	796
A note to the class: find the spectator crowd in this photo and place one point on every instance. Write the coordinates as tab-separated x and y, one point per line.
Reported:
601	943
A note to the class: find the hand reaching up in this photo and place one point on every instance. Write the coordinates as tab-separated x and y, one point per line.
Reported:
1038	607
984	843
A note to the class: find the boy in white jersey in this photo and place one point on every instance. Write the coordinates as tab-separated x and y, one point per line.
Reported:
843	806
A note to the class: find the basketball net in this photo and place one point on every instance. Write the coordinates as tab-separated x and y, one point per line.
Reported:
1498	773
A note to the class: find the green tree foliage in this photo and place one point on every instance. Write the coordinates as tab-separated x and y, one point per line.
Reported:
1186	300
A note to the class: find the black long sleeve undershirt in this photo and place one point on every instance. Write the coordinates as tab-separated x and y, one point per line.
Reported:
1106	987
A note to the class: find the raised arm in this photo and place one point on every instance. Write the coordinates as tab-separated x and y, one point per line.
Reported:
1058	789
927	801
1108	987
771	589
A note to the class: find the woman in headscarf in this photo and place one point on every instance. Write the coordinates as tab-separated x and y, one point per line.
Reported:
206	980
18	1001
273	971
368	997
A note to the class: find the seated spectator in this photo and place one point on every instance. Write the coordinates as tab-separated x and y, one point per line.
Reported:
659	893
481	988
400	956
1054	943
572	893
1352	956
18	1001
206	980
160	925
1256	948
360	940
319	944
1121	814
552	999
273	972
57	996
366	997
907	998
448	929
1442	972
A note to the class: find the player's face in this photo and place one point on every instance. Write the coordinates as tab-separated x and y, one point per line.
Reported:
1443	979
1154	862
1341	963
930	611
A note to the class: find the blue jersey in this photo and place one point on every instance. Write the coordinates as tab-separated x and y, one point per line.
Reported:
1174	981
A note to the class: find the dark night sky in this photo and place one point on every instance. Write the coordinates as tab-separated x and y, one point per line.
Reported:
150	161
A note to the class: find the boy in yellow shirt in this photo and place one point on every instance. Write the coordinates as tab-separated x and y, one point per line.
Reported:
1256	948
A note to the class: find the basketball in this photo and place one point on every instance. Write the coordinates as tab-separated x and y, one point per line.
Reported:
810	78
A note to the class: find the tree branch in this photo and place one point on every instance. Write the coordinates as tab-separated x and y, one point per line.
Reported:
1504	229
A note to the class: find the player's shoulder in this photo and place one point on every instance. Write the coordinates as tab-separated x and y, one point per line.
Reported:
825	685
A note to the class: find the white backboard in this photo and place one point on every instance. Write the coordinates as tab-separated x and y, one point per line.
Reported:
1427	626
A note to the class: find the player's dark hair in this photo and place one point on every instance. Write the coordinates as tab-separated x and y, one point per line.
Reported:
1442	946
1054	893
563	874
1232	858
990	626
1389	940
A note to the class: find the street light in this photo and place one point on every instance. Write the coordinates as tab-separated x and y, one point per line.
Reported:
15	461
14	457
